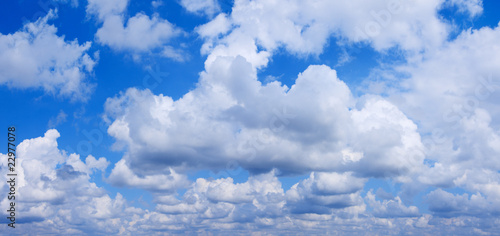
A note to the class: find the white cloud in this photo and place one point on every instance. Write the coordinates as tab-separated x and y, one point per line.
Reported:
89	165
206	7
123	176
452	94
36	57
446	204
55	194
174	54
106	8
390	208
216	27
321	193
60	118
260	196
473	7
231	116
452	91
317	124
156	4
303	28
138	34
316	127
225	190
335	183
58	196
141	33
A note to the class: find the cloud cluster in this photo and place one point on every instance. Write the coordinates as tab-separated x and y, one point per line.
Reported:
223	201
58	196
54	191
435	134
303	28
322	193
390	208
452	93
36	57
318	125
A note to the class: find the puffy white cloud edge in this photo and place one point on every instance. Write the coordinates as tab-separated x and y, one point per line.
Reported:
35	57
139	34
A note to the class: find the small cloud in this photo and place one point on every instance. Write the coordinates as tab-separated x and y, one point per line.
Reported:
156	4
59	119
344	58
472	7
174	54
272	78
201	7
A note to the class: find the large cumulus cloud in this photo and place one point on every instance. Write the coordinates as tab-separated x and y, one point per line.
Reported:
231	116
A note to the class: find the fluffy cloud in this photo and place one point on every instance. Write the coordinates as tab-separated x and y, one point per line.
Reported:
303	28
103	9
139	34
36	57
450	205
390	208
317	125
54	191
222	200
321	193
207	7
260	203
123	176
452	94
231	116
472	7
467	83
58	196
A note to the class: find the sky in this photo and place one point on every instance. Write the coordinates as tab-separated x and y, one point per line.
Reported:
274	117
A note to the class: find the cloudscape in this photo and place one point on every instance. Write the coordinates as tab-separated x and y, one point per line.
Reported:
250	117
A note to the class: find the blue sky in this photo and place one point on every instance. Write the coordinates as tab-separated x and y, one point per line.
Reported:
189	116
